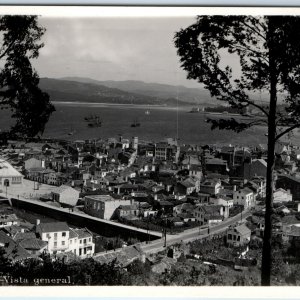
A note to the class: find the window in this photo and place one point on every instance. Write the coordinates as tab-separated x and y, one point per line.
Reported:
90	239
229	236
84	241
80	242
55	244
63	243
71	242
48	236
238	238
55	235
64	234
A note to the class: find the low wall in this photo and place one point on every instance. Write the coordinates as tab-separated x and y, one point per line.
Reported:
102	227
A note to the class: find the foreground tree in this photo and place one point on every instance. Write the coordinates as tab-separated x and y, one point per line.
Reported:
268	51
19	91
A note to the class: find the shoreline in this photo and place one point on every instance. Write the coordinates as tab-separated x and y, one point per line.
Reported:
106	104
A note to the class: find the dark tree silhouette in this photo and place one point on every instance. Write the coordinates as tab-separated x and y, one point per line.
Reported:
19	90
268	51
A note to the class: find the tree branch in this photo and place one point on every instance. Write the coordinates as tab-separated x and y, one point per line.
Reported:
287	131
254	30
7	49
257	106
243	48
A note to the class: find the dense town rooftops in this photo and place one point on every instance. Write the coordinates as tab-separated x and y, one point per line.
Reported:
12	250
8	218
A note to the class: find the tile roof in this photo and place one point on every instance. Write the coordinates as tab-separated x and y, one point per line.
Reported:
24	235
72	234
33	244
61	189
53	227
260	160
124	257
6	169
8	218
243	229
83	233
104	198
12	250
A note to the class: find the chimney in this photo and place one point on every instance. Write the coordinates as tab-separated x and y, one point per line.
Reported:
38	221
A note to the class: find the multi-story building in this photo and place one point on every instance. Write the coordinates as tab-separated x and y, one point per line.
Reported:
81	242
244	197
211	186
164	151
56	234
103	206
60	238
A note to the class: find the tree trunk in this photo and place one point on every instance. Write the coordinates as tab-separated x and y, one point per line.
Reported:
267	251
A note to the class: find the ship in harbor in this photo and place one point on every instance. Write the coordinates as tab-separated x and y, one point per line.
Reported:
93	121
135	123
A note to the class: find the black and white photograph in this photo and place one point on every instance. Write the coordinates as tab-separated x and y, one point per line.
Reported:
154	147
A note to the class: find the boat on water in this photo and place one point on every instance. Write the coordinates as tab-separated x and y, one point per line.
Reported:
135	123
71	132
147	112
91	118
95	122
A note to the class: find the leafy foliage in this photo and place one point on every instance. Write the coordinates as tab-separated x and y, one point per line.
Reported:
268	52
19	82
202	45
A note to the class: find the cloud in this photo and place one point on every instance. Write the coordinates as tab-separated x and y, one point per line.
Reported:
112	49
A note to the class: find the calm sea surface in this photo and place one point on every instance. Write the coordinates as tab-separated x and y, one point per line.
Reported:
160	123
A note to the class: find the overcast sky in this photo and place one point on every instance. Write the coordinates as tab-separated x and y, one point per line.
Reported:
113	49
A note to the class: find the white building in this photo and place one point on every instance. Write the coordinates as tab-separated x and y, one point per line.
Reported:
56	234
9	176
244	197
103	206
81	242
61	238
65	195
221	200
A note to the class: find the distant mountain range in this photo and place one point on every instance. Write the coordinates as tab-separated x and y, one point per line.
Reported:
77	89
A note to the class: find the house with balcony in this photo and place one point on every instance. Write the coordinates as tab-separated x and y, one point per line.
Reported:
60	239
81	242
